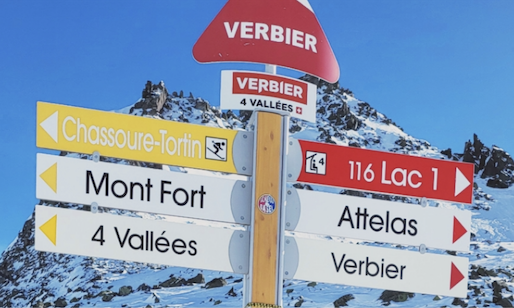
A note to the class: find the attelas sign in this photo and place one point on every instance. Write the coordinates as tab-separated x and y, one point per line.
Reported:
279	32
250	90
377	171
377	220
159	141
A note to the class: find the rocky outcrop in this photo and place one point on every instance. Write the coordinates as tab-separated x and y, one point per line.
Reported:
493	164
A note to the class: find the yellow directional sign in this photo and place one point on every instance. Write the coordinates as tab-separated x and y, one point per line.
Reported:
49	176
49	228
125	136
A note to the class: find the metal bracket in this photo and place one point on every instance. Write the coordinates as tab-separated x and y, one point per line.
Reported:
243	159
293	208
291	257
239	251
241	202
423	202
294	160
96	156
422	248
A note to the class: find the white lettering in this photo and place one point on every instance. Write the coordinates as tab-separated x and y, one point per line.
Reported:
261	30
275	33
297	38
383	180
231	32
414	172
246	30
68	118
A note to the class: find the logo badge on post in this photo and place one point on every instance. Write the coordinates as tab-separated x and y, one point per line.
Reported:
266	204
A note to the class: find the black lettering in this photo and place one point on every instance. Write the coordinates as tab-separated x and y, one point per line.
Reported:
253	101
140	237
387	222
373	222
162	241
89	176
164	191
259	103
124	189
412	224
404	223
391	268
367	267
122	243
193	251
243	102
338	266
179	244
148	185
201	192
346	212
348	265
185	194
290	108
364	215
132	184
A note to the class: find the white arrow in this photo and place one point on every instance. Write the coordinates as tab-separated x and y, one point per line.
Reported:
49	125
460	181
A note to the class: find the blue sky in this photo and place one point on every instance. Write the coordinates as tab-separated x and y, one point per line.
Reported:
441	69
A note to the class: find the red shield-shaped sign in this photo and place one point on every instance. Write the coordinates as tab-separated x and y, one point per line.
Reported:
277	32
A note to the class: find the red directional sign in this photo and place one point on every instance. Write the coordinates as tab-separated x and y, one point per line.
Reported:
377	171
280	32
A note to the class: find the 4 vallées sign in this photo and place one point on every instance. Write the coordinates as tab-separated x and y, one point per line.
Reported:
219	199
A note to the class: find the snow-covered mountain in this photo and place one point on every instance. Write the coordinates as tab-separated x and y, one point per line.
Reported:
39	279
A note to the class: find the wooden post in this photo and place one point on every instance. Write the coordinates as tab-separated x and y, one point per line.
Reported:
265	275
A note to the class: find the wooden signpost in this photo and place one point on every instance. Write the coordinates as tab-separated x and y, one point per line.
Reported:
260	251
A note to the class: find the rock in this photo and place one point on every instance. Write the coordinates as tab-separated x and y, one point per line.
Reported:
447	152
312	284
299	302
173	282
74	300
125	290
343	300
216	283
388	296
504	303
106	295
501	249
437	298
231	292
144	287
217	302
197	279
60	302
459	302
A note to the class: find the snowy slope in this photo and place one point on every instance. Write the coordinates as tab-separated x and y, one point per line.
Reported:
32	278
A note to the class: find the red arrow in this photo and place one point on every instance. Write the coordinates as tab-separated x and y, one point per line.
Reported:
455	276
458	229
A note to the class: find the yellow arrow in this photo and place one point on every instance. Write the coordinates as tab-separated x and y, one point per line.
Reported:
49	228
50	177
